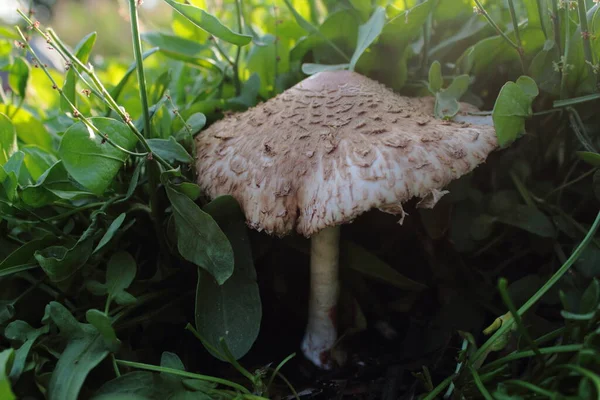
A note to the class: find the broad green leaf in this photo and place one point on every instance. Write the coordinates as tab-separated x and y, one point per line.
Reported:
194	123
359	259
16	165
21	331
435	77
60	262
146	385
8	138
29	129
311	69
169	150
174	45
85	349
591	158
446	100
23	256
82	52
588	264
18	76
102	323
367	33
171	360
110	232
7	311
90	161
530	219
199	238
54	180
231	310
6	360
37	160
512	107
209	23
120	273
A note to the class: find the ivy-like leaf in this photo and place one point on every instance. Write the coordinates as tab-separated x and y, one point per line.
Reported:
512	107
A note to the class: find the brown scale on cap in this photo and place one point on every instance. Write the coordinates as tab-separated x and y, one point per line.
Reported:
332	147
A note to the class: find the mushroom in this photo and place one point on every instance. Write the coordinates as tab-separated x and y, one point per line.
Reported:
321	153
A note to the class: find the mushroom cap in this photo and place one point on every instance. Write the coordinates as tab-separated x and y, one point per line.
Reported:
332	147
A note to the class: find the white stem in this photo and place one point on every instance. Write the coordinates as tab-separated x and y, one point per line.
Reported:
321	330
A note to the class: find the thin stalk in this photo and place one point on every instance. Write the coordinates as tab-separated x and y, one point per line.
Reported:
75	112
480	386
565	57
515	22
494	25
185	374
137	52
541	16
153	169
503	288
585	36
236	72
571	182
556	25
543	290
568	348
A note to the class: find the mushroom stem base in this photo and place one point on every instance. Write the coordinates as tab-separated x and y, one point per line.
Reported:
321	330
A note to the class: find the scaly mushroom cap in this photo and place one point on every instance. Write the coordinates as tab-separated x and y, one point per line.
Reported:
332	147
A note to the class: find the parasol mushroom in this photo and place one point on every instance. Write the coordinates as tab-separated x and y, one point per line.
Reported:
321	153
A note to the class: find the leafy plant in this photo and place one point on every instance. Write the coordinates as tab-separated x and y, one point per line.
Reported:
108	249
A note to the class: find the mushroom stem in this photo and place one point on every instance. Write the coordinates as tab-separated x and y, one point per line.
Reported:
321	330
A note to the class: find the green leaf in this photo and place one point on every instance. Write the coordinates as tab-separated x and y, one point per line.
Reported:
209	23
52	185
85	349
6	360
359	259
529	219
23	257
194	123
8	138
110	232
29	129
16	165
512	107
120	273
82	52
435	77
91	162
18	76
446	100
233	309
146	385
102	323
60	262
169	150
589	157
199	238
367	33
174	45
311	69
21	331
37	160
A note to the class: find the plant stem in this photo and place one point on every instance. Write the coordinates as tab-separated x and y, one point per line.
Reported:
494	25
184	374
556	25
137	52
585	36
515	22
152	166
236	72
541	16
547	286
565	58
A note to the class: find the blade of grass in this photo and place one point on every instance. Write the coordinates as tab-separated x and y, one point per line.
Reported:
538	295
